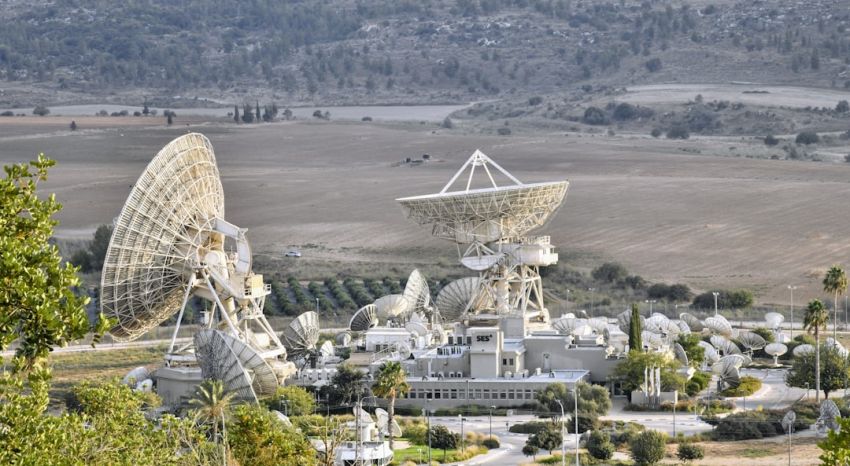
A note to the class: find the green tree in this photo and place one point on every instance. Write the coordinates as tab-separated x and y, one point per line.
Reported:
630	372
548	438
836	446
833	370
835	282
41	110
38	306
99	246
842	106
236	113
815	319
391	383
444	439
695	352
530	450
593	400
599	445
257	437
345	387
635	330
292	401
648	447
212	407
610	272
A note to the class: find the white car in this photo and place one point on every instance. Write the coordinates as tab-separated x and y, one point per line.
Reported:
292	254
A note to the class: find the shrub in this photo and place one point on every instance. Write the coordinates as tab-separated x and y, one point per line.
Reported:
690	452
656	132
652	65
807	137
491	443
7	113
748	386
41	110
648	447
749	425
609	272
366	118
842	106
624	111
502	131
599	445
594	116
447	123
770	140
678	132
531	427
625	433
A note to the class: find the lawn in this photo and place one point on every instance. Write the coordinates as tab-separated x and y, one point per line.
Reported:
411	453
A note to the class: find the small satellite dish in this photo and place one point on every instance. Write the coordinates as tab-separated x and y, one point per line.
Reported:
343	339
327	350
135	376
788	421
683	327
657	323
301	335
693	322
774	320
724	345
365	318
719	325
364	416
829	415
729	374
751	341
598	324
681	355
775	350
802	350
284	419
403	350
461	296
709	352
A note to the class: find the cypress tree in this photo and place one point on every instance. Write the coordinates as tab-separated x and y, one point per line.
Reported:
635	341
258	116
236	113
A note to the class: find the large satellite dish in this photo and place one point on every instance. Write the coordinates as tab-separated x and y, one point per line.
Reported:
417	293
460	296
240	368
171	242
719	325
392	306
751	341
365	318
775	350
492	224
301	335
709	352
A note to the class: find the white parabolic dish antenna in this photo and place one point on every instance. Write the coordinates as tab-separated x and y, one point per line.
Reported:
493	224
240	368
171	242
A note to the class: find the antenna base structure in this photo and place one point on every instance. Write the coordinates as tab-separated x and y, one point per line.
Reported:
490	227
170	243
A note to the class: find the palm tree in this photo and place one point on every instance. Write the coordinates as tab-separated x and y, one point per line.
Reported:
212	406
835	282
390	384
816	318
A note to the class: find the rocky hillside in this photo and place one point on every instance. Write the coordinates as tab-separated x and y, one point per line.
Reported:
405	51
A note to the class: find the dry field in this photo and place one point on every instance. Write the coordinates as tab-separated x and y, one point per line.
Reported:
329	189
749	93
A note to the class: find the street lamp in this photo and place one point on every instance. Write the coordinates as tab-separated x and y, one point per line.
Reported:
317	305
563	436
568	301
591	300
792	288
491	420
427	413
651	302
462	441
716	294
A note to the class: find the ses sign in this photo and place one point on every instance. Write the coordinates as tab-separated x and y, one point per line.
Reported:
483	338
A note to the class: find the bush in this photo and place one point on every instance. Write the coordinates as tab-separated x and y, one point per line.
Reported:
41	110
366	118
678	132
599	445
447	123
699	382
807	137
624	111
491	443
690	452
653	65
648	447
624	433
770	140
7	113
609	272
531	427
594	116
749	385
842	106
656	132
502	131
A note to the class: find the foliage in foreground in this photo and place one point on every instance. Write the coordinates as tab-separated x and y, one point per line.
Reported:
648	447
836	446
748	386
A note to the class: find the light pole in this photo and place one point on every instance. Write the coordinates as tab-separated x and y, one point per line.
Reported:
462	441
591	300
568	300
575	398
491	420
651	302
427	413
563	436
716	294
792	288
317	305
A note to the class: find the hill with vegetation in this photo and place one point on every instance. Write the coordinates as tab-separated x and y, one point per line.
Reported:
404	51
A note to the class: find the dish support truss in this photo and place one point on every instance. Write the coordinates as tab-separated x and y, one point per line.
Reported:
238	295
492	224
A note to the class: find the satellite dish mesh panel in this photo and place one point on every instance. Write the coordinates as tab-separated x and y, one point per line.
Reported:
454	297
365	318
681	355
144	272
219	361
416	292
709	351
752	341
301	335
391	305
693	322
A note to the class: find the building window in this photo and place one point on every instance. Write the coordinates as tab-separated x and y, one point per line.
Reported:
469	340
510	394
486	393
454	394
504	361
511	361
503	395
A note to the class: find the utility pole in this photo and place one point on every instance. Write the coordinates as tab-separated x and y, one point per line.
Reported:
563	436
491	420
716	294
462	440
792	288
575	398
